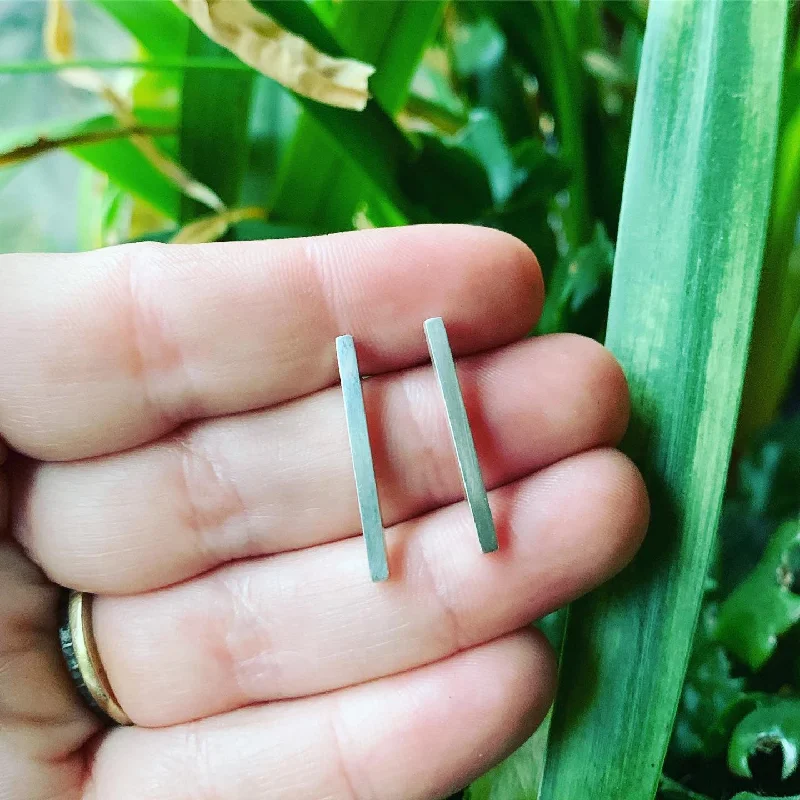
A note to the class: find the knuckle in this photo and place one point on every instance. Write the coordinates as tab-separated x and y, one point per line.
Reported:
243	640
209	500
453	634
156	359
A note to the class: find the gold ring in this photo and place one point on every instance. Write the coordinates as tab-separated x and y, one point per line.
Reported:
83	660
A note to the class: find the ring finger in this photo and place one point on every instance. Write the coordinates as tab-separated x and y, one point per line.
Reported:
301	623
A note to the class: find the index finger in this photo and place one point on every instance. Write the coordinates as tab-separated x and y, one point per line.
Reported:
106	350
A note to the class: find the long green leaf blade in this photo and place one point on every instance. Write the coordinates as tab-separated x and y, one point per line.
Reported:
158	25
370	136
692	229
214	103
214	119
391	35
776	328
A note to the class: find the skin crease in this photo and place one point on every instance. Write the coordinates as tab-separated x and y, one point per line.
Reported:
176	445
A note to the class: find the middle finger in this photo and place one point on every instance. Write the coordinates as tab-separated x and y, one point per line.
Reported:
281	479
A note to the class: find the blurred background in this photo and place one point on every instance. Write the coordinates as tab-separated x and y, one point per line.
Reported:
121	121
39	200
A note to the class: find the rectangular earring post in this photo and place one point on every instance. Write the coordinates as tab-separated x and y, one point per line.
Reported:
363	468
445	368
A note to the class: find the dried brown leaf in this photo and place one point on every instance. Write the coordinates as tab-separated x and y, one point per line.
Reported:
211	228
287	58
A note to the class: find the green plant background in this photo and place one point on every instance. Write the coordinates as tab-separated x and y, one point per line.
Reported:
515	115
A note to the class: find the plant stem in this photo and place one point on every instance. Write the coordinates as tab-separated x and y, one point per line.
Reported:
45	145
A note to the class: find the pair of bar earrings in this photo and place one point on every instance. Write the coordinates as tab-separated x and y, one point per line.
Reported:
366	487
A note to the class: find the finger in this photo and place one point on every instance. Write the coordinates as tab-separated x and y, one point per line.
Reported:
106	350
301	623
416	736
265	482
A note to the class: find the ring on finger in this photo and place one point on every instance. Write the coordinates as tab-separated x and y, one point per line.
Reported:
83	659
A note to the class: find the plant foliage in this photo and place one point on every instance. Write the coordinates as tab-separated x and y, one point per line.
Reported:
517	114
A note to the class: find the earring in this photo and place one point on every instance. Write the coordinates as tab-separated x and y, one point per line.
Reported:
363	468
445	368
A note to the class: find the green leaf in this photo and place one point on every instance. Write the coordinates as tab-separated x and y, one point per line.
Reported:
769	474
516	778
440	114
254	230
602	66
449	177
162	31
528	213
369	137
477	44
490	77
391	35
543	173
119	159
672	790
578	290
274	113
171	64
630	12
741	539
713	701
776	336
214	124
103	211
751	796
694	210
159	25
398	39
764	730
764	493
483	137
545	38
767	604
447	181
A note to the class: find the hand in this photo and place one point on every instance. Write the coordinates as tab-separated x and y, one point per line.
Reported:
183	455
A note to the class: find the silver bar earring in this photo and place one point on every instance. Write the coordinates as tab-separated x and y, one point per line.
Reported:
363	468
445	368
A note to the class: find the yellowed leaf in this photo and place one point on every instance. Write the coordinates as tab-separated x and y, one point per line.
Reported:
178	175
164	164
59	33
145	219
260	42
361	220
59	45
211	228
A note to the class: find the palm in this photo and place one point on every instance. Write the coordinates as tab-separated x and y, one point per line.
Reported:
186	460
